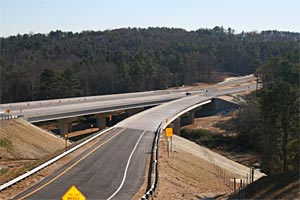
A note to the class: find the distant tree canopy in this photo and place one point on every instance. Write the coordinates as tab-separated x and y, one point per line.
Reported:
279	102
65	64
269	123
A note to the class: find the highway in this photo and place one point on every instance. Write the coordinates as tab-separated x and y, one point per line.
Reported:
46	110
116	166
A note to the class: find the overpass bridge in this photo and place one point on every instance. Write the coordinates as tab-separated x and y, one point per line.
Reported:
67	110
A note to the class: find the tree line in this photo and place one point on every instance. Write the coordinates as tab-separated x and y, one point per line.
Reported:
65	64
269	122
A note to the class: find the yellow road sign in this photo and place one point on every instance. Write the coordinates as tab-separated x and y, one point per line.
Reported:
167	120
73	194
169	132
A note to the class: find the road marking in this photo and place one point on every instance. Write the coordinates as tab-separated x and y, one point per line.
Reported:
69	168
126	169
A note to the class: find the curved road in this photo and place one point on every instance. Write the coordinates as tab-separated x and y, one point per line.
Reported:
98	174
116	166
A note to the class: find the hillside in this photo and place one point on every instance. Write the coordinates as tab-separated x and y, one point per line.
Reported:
279	186
22	145
66	64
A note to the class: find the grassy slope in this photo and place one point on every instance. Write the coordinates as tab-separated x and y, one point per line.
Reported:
23	146
21	140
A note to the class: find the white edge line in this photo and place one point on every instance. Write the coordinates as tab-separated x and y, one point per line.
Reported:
23	176
126	169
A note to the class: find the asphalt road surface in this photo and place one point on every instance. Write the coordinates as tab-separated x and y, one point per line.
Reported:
114	168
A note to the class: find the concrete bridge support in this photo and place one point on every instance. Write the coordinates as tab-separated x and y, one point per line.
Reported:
101	120
188	118
176	126
65	126
191	117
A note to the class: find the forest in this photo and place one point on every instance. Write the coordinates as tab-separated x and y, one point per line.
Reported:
269	123
65	64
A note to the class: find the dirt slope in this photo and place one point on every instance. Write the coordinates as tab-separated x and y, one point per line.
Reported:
22	146
187	176
22	140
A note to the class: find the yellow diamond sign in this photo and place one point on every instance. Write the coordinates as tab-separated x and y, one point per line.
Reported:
73	194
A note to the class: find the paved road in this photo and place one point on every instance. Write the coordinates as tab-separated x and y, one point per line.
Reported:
99	172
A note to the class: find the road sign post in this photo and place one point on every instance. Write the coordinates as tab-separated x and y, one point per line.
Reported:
66	138
169	134
92	128
171	144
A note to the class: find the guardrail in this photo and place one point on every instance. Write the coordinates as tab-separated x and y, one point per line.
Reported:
152	181
31	172
8	117
153	160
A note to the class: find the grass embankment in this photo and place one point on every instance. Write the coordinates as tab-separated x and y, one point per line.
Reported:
24	146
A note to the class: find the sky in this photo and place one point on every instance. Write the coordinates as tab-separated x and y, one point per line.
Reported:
42	16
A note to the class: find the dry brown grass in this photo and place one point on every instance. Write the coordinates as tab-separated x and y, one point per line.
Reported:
186	176
24	146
